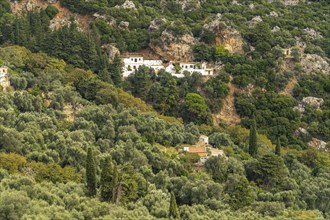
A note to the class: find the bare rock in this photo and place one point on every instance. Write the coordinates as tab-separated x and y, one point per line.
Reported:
314	64
255	21
124	24
235	2
273	14
51	1
156	24
301	132
111	51
227	36
189	5
317	143
313	33
276	29
127	5
300	108
290	2
175	48
29	5
313	102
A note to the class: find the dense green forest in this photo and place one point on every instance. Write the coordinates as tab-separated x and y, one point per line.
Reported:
77	141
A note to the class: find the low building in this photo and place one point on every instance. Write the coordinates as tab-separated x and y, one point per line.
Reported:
132	63
200	68
201	151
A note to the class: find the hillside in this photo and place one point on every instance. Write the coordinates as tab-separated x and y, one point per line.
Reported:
170	141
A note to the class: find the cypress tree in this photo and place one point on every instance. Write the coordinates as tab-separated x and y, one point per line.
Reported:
278	147
116	70
114	186
253	148
173	212
90	173
106	180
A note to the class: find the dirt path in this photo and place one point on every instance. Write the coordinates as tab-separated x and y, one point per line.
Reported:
228	112
289	87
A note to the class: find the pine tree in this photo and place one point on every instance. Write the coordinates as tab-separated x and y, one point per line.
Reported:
173	212
253	148
106	180
278	147
90	173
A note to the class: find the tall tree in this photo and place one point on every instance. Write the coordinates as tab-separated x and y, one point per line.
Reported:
278	147
253	148
106	180
90	173
114	186
116	70
173	212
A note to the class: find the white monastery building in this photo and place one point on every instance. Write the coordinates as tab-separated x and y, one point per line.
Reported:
133	63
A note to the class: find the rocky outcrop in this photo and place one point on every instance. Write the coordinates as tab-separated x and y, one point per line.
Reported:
313	33
276	29
156	24
227	36
255	21
313	102
111	51
290	2
124	25
319	144
127	5
175	48
314	64
273	14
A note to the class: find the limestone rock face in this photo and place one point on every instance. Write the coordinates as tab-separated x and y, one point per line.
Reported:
111	51
127	5
255	21
155	24
290	2
317	143
227	36
314	64
175	48
313	33
124	24
313	101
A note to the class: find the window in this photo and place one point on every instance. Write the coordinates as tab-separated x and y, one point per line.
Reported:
135	60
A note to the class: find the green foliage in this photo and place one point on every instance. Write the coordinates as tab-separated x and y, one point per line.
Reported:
106	181
253	145
240	192
173	212
90	173
12	162
278	147
268	172
195	109
51	11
